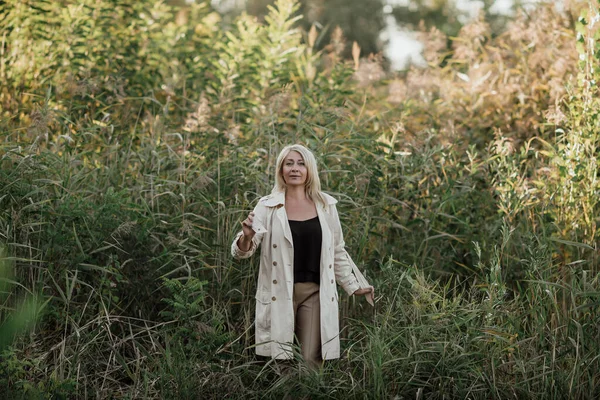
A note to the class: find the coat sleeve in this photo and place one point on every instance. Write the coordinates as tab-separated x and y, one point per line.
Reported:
343	264
260	214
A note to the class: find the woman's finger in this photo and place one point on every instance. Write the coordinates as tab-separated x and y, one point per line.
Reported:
249	220
367	290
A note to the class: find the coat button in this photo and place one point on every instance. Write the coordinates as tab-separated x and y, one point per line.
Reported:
332	281
332	299
275	281
275	263
273	298
275	246
329	266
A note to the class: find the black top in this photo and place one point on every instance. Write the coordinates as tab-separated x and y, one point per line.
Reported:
307	250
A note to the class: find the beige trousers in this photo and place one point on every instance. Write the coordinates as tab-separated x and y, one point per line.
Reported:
307	313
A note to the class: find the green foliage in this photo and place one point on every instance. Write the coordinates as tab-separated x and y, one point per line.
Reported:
574	155
188	299
360	21
135	143
17	315
198	327
18	380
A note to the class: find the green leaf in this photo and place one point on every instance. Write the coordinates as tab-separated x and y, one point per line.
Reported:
570	243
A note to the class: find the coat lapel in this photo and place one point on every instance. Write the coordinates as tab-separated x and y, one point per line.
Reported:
282	217
325	232
277	200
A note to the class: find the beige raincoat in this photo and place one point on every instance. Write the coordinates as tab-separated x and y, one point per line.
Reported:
274	296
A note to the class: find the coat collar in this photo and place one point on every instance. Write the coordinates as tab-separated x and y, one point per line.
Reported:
277	199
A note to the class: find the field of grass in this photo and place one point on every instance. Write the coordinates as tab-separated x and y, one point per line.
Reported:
135	137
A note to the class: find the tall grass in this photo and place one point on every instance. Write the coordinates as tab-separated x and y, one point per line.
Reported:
128	163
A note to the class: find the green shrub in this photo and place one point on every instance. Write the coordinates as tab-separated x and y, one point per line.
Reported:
136	136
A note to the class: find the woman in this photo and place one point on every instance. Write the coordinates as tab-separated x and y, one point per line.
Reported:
301	258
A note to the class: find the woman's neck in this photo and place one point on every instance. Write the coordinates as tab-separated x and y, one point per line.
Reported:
295	193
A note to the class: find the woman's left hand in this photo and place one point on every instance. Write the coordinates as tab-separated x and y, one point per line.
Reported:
369	292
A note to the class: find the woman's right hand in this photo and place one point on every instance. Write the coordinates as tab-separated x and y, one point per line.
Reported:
245	241
247	226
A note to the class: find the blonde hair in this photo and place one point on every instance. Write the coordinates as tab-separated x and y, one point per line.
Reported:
312	186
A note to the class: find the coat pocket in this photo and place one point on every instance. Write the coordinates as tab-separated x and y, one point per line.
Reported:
263	311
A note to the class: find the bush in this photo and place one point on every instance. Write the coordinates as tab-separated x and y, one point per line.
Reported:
136	136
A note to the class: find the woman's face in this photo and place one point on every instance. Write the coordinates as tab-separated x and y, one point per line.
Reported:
294	171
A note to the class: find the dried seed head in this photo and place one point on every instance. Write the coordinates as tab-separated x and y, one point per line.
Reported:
198	120
338	42
434	44
369	71
555	115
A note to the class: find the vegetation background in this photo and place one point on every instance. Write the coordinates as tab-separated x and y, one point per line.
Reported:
136	135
